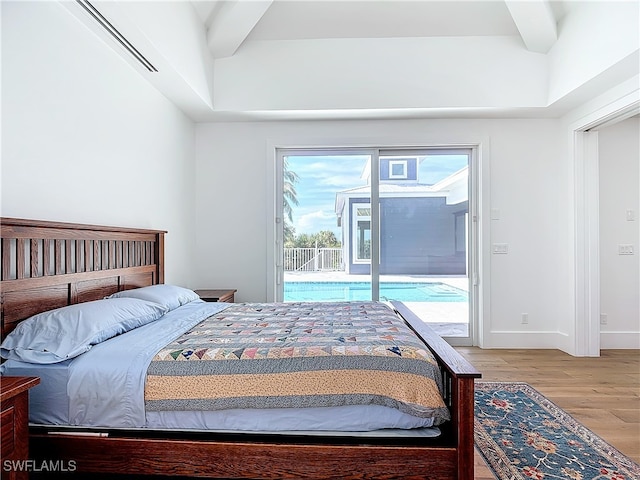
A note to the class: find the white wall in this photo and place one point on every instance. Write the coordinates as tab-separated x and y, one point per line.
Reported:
85	138
527	183
619	167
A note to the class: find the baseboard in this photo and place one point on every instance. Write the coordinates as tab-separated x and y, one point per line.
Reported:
512	339
622	340
558	340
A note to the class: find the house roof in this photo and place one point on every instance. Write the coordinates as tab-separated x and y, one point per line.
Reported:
453	188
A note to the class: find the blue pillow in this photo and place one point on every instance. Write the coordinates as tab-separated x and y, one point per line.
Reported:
169	296
63	333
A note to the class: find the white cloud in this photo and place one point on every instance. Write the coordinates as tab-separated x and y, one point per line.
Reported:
342	181
316	221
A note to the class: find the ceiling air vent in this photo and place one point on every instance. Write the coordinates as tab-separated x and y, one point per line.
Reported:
111	30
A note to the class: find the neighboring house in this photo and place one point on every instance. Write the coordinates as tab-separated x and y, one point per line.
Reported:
435	215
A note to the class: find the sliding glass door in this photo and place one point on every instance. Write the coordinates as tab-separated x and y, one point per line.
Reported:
424	235
315	225
379	224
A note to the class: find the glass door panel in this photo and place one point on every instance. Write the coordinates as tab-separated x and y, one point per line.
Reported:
326	204
424	205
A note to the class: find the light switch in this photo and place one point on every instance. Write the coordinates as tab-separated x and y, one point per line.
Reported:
631	216
625	249
500	248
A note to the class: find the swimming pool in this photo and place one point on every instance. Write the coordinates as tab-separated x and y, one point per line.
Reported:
401	291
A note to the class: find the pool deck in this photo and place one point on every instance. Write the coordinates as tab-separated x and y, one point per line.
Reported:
449	319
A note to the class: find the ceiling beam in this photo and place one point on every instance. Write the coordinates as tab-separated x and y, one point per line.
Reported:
232	24
535	22
206	10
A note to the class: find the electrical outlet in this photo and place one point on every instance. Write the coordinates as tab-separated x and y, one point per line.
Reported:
603	319
525	318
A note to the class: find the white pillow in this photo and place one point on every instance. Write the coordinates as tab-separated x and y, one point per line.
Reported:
64	333
169	296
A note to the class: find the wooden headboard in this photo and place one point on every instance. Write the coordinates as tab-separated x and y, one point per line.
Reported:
47	265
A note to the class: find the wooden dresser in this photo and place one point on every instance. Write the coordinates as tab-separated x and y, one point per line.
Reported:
14	415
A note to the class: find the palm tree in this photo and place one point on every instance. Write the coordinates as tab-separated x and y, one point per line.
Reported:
290	198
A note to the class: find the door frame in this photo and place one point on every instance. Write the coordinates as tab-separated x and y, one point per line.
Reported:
586	213
479	260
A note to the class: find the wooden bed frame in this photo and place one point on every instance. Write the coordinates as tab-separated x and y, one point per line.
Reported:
47	265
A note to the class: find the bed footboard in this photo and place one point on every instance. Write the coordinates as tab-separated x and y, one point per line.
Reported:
458	377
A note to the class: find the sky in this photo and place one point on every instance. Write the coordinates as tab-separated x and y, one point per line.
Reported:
320	177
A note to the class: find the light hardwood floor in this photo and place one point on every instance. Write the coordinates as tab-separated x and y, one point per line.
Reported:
602	393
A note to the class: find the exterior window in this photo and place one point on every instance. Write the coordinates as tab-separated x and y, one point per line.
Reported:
362	230
397	169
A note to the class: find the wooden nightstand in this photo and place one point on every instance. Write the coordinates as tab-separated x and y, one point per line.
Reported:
217	295
14	417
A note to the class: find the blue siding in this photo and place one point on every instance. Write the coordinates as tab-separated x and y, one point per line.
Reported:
418	237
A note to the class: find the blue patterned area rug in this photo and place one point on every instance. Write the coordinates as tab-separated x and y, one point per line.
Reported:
523	435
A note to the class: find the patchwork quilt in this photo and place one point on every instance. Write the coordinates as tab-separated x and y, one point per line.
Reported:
306	354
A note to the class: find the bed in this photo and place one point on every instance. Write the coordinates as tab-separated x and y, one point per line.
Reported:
47	265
